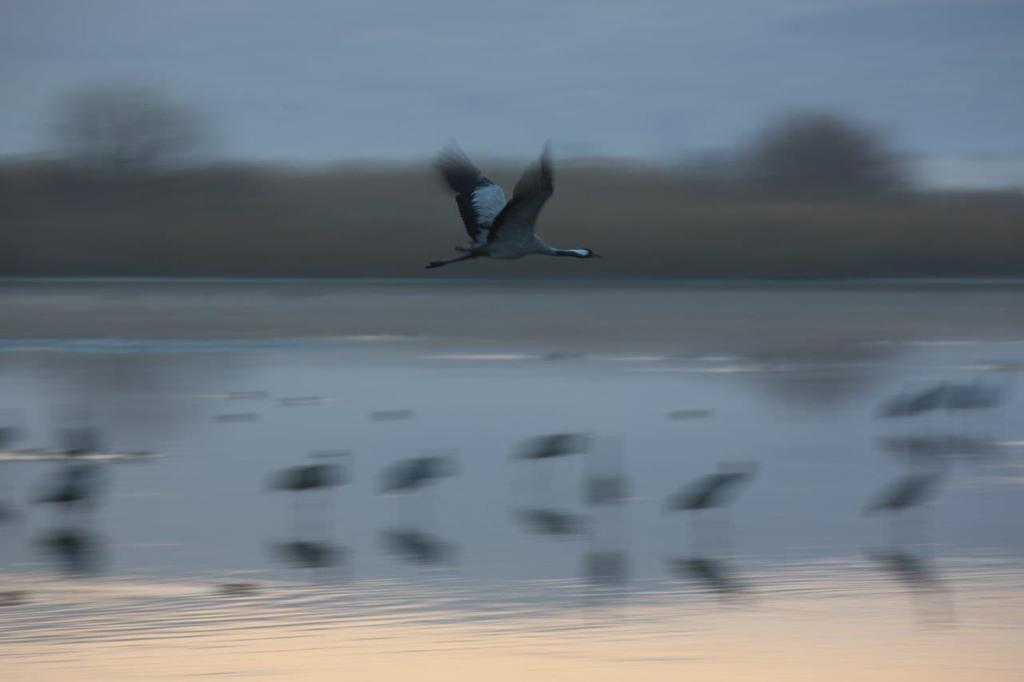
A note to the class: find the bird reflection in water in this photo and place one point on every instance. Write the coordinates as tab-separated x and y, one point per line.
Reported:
715	574
408	541
605	489
542	485
317	555
606	564
964	414
417	483
237	589
606	569
74	490
903	503
936	450
932	599
76	551
311	488
417	547
80	440
9	435
915	570
74	487
605	574
14	597
551	522
953	396
705	501
905	493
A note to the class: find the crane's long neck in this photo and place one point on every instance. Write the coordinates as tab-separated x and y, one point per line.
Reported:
571	253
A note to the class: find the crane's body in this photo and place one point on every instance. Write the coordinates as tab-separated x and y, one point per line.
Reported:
496	227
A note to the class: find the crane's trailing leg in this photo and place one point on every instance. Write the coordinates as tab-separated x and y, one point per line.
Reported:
439	263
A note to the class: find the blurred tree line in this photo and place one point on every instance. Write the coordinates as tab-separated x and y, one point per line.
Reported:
124	129
813	195
810	154
131	129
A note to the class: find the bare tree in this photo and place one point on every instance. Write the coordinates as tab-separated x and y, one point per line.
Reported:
824	153
125	128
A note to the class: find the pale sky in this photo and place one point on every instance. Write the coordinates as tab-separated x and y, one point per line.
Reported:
316	81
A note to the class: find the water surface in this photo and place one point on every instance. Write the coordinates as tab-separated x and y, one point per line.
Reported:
188	565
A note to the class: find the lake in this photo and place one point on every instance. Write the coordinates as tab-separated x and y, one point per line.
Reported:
526	554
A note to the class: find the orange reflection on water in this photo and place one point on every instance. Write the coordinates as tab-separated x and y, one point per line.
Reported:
811	622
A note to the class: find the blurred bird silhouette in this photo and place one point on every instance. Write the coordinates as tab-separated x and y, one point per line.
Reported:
74	486
414	473
708	497
551	522
312	482
416	546
9	435
608	568
715	574
14	597
237	589
604	474
76	551
80	440
974	396
540	480
496	228
913	403
944	396
604	490
689	414
391	415
555	445
712	491
906	492
910	568
236	417
308	553
931	596
304	477
936	450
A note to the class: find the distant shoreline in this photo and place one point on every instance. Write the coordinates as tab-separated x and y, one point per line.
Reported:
523	317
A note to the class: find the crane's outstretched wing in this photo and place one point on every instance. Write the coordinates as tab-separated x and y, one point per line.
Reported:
479	200
516	221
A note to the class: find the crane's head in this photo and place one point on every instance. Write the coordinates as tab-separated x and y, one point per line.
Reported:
578	253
